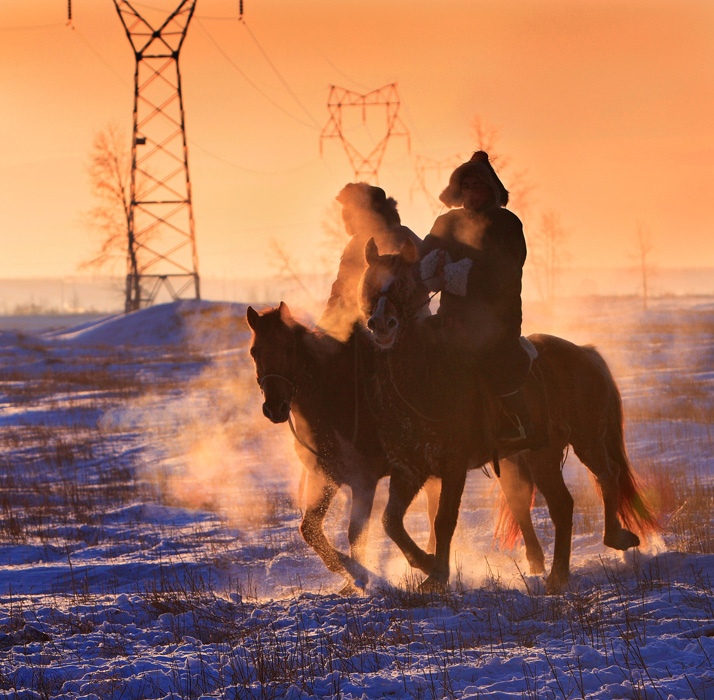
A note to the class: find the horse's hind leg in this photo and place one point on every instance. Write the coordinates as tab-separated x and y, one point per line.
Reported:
607	472
546	471
362	500
517	486
403	487
432	489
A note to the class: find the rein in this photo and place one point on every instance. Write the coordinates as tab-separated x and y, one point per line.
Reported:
412	314
293	389
404	400
299	439
419	307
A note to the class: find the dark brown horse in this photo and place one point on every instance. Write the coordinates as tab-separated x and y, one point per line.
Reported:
437	421
321	381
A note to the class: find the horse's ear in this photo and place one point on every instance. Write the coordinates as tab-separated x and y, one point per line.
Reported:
285	315
252	316
371	252
409	251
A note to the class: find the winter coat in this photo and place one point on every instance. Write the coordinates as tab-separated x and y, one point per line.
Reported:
487	318
342	308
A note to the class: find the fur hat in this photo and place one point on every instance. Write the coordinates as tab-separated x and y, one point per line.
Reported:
478	166
361	195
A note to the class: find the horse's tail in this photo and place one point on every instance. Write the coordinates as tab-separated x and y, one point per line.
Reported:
634	509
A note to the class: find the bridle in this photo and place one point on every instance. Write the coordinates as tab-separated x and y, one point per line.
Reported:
287	380
405	311
293	392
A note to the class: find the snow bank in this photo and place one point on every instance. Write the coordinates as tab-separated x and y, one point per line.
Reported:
192	324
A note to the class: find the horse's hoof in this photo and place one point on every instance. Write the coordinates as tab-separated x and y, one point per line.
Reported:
536	568
623	540
555	583
425	563
431	584
351	589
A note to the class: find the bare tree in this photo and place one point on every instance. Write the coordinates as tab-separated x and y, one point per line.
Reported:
286	267
519	187
485	137
548	254
109	172
643	255
334	237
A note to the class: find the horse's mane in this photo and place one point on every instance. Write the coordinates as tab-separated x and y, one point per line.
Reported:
318	344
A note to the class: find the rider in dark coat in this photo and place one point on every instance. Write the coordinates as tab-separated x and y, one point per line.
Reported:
367	213
474	255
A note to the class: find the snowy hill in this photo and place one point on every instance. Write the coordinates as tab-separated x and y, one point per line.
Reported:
184	323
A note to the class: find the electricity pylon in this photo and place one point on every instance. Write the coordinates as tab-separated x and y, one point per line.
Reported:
162	242
387	97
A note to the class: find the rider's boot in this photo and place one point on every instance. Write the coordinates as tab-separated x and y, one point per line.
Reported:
517	428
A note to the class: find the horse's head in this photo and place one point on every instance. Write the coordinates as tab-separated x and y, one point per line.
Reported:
390	292
274	351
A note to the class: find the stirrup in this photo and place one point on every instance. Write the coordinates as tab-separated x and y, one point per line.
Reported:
517	424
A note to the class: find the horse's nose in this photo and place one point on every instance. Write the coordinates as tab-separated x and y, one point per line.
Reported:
379	326
277	414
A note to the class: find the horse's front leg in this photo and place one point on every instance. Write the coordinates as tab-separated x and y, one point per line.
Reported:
452	488
404	484
320	492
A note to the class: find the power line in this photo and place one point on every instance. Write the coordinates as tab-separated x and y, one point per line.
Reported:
194	143
31	27
242	168
99	56
280	77
250	81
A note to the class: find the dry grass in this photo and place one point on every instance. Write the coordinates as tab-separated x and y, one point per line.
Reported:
57	481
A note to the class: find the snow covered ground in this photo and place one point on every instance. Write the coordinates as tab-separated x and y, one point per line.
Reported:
149	542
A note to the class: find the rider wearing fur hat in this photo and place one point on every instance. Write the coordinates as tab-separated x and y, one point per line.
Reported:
474	255
367	213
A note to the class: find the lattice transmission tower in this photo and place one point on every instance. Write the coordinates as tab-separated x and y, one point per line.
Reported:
162	243
365	167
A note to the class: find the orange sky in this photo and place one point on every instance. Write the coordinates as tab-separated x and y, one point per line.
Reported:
608	105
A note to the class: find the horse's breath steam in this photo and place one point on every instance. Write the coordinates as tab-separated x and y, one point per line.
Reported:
211	448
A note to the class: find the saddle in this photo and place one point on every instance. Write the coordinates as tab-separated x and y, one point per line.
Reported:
523	418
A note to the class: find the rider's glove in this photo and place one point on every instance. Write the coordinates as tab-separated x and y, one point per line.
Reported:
432	269
456	276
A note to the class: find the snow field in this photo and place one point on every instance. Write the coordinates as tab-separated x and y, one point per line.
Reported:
149	542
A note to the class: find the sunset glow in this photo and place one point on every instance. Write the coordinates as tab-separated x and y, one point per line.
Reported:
604	107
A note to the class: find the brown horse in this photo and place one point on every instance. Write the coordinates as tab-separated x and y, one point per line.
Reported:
321	381
437	421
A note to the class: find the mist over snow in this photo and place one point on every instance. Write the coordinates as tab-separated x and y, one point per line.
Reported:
150	544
